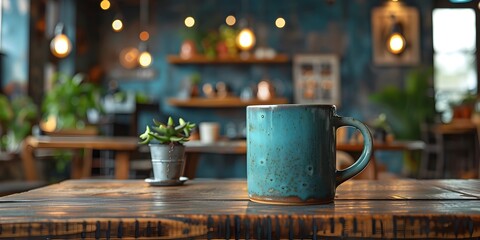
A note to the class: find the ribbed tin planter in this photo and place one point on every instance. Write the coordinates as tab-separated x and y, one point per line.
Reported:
168	161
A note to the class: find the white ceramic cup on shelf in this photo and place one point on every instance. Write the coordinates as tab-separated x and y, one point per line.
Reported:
209	132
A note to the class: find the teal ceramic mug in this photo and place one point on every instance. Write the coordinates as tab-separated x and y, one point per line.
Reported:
291	153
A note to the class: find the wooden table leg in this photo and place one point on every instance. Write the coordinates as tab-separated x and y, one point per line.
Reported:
477	150
28	162
122	164
374	165
76	168
87	163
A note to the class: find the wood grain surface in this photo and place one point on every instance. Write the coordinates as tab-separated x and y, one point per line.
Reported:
215	209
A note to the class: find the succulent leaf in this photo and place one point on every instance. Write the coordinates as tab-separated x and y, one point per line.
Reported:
169	133
176	139
180	128
145	134
160	129
157	123
181	121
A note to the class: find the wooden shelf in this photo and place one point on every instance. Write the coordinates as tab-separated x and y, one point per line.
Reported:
230	102
175	59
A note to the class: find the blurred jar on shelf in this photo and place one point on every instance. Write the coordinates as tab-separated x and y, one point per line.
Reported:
188	49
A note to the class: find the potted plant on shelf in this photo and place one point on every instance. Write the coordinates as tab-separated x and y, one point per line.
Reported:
167	150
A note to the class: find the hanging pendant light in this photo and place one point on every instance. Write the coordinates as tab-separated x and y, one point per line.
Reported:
60	46
396	42
246	39
189	21
105	5
145	59
280	22
117	24
230	20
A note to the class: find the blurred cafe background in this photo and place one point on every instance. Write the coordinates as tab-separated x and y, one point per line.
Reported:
409	69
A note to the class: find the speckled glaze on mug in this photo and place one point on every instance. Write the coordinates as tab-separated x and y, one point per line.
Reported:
291	153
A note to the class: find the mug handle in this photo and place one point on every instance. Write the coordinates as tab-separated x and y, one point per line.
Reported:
343	175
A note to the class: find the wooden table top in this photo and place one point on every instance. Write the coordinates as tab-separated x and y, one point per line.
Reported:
457	127
221	209
93	142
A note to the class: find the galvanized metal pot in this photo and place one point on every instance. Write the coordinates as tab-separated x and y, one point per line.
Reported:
168	161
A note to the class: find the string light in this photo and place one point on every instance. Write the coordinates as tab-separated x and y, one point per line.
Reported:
117	25
144	36
105	4
189	21
280	22
230	20
129	57
145	59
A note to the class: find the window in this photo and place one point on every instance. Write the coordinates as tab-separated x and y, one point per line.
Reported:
454	60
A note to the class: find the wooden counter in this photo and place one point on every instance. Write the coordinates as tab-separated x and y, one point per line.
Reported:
80	168
195	148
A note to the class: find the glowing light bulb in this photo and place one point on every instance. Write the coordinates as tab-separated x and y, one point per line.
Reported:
50	124
189	21
144	36
396	43
117	25
230	20
60	46
145	59
129	57
280	22
245	39
104	4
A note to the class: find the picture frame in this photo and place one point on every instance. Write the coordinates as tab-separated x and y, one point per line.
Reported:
316	79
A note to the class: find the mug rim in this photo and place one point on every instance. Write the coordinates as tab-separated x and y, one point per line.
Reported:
287	105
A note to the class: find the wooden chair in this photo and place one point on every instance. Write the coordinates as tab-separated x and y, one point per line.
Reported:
450	152
433	157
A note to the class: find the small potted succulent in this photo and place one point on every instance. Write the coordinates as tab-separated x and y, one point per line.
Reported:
167	150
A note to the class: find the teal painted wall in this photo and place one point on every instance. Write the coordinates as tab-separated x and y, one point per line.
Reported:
341	27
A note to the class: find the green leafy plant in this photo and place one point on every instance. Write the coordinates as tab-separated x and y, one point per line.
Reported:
406	109
70	99
168	133
16	119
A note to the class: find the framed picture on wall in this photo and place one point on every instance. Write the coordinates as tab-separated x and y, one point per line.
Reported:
316	79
